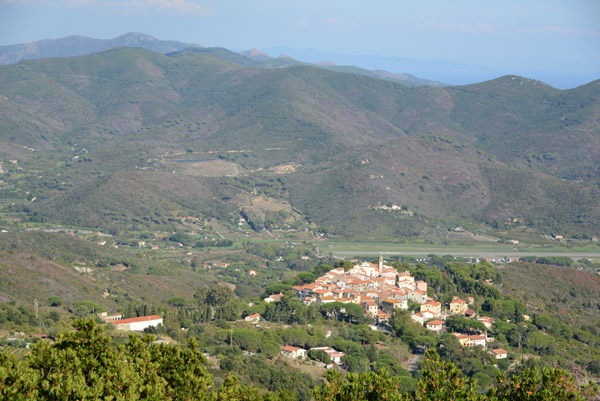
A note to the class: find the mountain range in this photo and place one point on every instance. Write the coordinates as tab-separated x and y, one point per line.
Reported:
128	138
80	45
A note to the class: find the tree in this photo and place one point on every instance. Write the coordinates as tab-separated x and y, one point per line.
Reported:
357	387
83	308
372	353
55	301
442	381
219	295
548	385
463	325
270	349
177	302
319	355
404	327
425	342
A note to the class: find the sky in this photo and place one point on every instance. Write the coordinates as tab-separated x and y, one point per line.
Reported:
524	37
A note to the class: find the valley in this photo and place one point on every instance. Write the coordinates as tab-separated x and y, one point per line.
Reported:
227	195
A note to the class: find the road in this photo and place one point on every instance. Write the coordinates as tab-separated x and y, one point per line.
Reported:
413	363
482	254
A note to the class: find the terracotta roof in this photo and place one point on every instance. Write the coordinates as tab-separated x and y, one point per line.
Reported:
476	337
289	348
137	319
392	301
498	351
435	323
458	301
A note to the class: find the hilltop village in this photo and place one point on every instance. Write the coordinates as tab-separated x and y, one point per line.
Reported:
379	289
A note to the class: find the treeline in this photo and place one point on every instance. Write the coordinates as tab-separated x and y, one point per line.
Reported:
83	365
442	380
549	260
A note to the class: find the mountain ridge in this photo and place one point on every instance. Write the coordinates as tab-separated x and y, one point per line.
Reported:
109	122
76	45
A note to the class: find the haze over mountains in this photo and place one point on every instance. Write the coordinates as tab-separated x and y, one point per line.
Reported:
129	137
401	69
79	45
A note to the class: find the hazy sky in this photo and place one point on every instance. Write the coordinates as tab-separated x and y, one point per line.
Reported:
521	35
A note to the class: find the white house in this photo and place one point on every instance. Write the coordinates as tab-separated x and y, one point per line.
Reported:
487	321
477	340
255	318
418	317
274	298
334	355
137	323
435	325
499	353
293	352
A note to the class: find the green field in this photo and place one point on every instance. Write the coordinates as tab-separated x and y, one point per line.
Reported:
498	251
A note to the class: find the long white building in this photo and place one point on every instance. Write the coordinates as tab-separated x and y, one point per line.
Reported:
137	323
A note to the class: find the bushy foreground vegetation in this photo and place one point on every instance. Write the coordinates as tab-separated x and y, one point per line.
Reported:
83	365
442	381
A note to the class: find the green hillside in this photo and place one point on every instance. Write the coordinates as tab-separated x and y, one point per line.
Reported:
128	138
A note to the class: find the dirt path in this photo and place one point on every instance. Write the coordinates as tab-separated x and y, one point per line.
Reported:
413	363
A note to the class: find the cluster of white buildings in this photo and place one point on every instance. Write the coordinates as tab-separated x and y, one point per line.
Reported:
433	310
378	288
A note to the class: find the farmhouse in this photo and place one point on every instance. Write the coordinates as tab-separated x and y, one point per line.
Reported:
335	356
255	318
293	352
274	298
499	353
137	323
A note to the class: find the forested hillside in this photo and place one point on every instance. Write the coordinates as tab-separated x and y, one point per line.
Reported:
127	138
